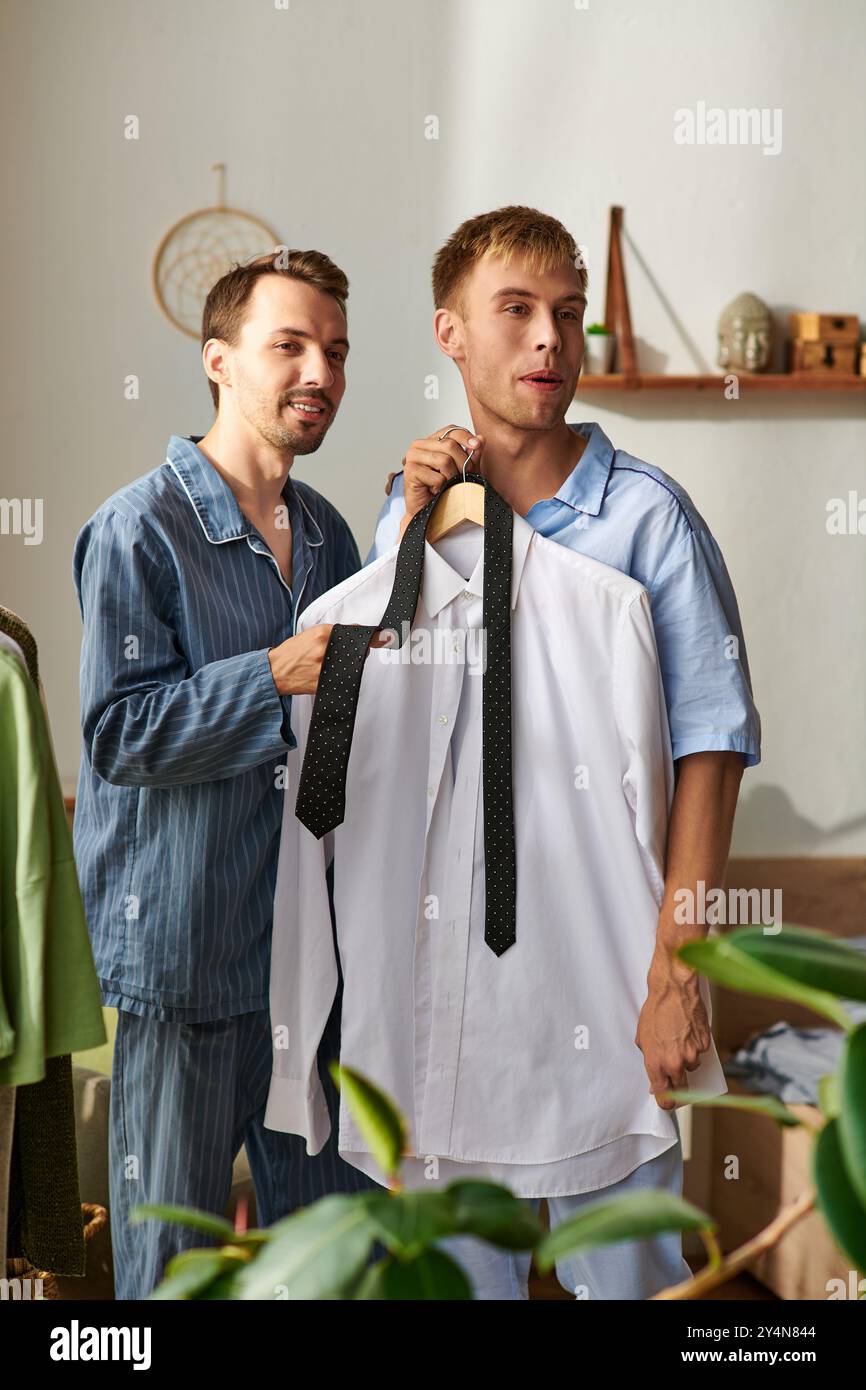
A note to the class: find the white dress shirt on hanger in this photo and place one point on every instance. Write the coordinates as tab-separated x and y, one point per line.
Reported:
521	1068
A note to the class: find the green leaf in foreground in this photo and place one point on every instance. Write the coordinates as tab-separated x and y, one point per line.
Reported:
770	1106
829	1099
813	957
312	1254
852	1112
189	1274
634	1216
492	1212
407	1222
195	1220
430	1275
379	1121
837	1198
722	961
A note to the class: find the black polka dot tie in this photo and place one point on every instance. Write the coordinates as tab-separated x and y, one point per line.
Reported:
321	800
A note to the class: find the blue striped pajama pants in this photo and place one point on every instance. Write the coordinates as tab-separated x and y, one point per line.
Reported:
184	1098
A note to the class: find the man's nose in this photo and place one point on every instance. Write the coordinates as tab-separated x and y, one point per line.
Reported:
317	370
548	335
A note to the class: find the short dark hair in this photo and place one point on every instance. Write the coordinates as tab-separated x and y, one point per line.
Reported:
223	315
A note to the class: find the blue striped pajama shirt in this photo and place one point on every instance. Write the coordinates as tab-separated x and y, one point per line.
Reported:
176	836
179	804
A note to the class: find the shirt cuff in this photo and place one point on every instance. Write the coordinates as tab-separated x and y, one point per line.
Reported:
284	702
718	743
286	727
293	1111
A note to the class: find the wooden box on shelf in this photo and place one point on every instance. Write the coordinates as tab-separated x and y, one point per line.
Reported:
822	357
842	329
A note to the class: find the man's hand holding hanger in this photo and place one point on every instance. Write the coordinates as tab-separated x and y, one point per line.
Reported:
296	664
430	462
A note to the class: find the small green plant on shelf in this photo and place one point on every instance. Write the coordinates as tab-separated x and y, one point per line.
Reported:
327	1250
598	328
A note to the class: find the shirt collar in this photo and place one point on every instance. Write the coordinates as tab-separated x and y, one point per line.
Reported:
216	505
585	486
442	583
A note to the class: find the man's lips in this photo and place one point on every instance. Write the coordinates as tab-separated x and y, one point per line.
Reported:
543	381
308	408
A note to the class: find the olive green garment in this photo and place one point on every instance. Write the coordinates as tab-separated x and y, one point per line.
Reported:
49	994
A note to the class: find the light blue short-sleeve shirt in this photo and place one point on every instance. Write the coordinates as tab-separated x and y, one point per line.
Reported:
630	514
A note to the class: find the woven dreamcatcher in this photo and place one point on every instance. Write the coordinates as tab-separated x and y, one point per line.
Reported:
200	248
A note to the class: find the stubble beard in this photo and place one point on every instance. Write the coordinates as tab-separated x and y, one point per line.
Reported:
258	410
508	408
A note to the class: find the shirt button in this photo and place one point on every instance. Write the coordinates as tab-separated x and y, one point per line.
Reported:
429	791
467	593
443	719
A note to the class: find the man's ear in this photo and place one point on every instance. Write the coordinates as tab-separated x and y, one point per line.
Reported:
448	329
214	359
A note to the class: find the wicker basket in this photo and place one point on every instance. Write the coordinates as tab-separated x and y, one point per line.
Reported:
94	1218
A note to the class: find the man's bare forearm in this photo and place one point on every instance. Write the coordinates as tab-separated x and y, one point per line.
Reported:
699	841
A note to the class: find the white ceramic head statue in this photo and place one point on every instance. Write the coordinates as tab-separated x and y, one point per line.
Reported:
745	335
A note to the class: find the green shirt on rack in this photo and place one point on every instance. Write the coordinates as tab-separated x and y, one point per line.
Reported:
50	1002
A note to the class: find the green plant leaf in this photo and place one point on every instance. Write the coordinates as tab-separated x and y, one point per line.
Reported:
225	1287
829	1100
380	1122
852	1111
252	1237
195	1220
837	1197
189	1273
429	1276
407	1222
490	1211
770	1106
634	1216
597	328
719	959
813	957
313	1253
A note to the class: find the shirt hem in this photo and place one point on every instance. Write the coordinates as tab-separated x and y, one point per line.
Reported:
352	1155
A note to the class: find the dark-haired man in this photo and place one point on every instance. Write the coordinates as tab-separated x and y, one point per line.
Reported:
190	581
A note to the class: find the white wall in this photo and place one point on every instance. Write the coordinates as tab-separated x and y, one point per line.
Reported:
319	112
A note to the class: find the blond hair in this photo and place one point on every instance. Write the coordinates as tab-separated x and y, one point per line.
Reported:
506	232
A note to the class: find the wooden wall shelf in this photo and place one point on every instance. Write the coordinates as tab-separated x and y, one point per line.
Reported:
769	381
617	319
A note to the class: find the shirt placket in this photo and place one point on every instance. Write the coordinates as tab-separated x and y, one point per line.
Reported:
449	857
302	563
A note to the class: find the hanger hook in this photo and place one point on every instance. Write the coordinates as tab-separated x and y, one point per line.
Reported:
467	452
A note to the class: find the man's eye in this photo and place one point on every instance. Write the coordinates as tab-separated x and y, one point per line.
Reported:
339	356
515	306
282	345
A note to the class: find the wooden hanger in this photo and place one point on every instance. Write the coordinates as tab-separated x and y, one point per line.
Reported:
461	502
